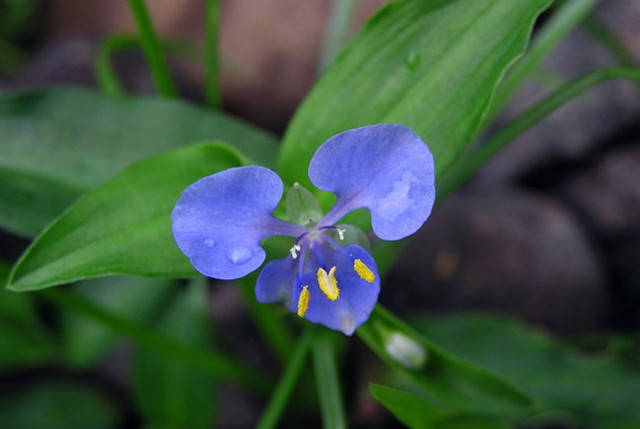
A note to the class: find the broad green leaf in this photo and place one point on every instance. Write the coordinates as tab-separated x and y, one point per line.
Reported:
122	226
57	405
57	144
454	385
23	341
432	65
138	299
171	394
419	413
30	200
598	390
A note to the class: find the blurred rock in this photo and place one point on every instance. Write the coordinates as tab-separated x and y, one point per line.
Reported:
505	250
608	194
607	197
59	62
71	61
623	18
236	408
269	51
269	48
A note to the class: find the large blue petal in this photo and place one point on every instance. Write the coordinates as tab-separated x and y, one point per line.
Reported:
357	296
385	168
219	221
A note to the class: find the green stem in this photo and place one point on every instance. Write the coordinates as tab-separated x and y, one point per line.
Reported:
219	366
566	17
274	330
105	73
340	17
212	85
469	163
328	381
152	51
287	382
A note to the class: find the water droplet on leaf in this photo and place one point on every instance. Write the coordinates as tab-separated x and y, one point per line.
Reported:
412	61
239	255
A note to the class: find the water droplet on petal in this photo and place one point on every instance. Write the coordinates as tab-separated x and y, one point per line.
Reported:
209	242
412	61
239	255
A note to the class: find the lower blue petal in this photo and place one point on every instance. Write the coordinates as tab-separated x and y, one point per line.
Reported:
275	282
357	296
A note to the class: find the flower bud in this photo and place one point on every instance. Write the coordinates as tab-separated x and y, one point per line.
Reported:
405	350
302	207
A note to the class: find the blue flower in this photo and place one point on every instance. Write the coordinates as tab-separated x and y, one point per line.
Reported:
220	221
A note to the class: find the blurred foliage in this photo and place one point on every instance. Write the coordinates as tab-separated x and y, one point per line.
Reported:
419	413
57	405
597	388
453	385
23	340
173	394
86	341
17	16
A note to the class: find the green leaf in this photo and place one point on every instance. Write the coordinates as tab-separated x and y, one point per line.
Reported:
122	226
23	341
431	65
86	341
419	413
598	390
57	405
172	394
57	144
454	385
30	200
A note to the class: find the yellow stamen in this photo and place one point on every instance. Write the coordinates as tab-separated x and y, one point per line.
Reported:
328	283
363	271
303	301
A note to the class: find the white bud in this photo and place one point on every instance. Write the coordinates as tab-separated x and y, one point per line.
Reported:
406	351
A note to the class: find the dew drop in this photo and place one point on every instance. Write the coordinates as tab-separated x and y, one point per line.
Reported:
209	242
412	61
239	255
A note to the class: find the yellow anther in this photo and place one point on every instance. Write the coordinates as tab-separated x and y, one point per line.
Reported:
328	283
363	271
303	301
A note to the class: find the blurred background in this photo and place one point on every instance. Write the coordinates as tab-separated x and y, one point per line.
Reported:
547	233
